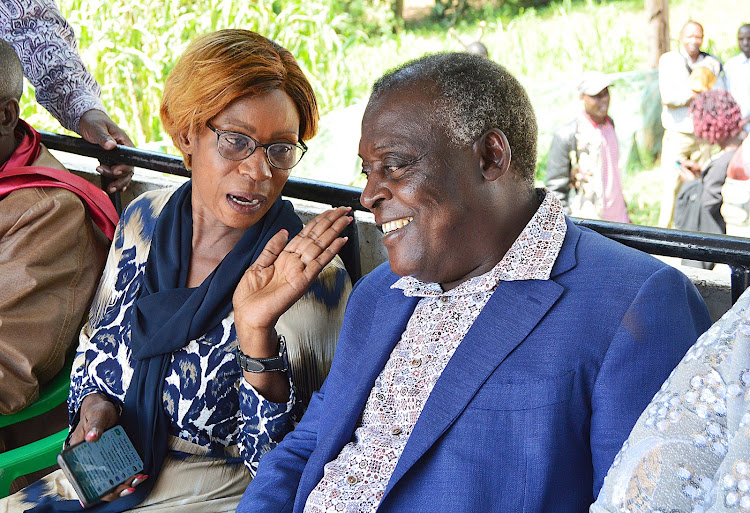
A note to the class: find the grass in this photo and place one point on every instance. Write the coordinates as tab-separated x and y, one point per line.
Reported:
344	45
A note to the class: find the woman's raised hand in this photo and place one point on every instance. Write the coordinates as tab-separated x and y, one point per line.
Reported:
284	271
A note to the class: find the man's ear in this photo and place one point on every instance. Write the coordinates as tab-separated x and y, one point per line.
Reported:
495	153
9	114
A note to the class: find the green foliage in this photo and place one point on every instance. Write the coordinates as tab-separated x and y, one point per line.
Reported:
130	47
344	45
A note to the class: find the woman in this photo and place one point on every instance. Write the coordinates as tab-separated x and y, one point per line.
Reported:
159	354
716	119
690	449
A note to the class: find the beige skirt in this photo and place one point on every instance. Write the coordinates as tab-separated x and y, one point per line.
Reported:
194	483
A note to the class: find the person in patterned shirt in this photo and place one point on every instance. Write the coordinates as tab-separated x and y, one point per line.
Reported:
173	349
690	449
46	45
500	358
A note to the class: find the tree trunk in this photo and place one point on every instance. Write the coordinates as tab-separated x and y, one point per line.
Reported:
657	12
398	8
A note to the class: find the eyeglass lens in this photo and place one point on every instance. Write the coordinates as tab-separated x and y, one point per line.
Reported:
238	147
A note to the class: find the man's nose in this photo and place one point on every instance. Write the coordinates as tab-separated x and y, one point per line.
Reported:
375	191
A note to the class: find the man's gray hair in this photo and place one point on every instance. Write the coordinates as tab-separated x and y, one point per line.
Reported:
474	94
11	73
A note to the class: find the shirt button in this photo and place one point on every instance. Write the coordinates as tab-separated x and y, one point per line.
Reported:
416	362
351	480
443	299
380	396
396	431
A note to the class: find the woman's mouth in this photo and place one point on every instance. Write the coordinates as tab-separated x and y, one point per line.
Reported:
241	200
245	204
392	226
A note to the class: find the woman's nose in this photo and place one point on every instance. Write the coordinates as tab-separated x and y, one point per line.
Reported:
256	166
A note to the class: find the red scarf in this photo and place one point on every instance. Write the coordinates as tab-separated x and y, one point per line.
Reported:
19	173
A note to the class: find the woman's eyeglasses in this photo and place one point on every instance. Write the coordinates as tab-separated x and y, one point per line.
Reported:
237	146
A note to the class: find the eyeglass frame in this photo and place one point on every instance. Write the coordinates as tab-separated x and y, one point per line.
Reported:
301	145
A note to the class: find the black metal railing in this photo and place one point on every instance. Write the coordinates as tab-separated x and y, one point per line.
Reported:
724	249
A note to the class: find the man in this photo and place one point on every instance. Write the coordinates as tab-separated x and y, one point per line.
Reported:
46	45
502	355
583	168
51	252
737	74
679	143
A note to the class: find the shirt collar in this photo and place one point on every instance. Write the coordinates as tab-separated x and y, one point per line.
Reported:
531	256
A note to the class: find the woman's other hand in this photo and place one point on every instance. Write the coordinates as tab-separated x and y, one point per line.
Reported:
97	415
283	272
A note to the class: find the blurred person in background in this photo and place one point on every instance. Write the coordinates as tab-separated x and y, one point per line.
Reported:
583	168
716	120
737	74
679	142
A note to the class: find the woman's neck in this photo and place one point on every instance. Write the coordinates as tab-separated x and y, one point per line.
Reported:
211	243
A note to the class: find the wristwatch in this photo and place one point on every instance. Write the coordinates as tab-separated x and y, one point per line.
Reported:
258	365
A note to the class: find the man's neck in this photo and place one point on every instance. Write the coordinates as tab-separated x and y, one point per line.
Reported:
693	59
8	145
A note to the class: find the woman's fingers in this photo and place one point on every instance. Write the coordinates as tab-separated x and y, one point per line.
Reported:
314	266
97	415
319	234
272	250
126	488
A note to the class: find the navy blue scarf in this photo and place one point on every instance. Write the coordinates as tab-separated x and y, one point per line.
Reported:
166	316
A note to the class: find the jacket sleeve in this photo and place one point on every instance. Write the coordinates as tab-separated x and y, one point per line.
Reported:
559	165
666	317
275	486
46	45
50	263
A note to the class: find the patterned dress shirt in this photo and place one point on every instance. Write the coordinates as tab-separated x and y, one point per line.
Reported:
355	481
47	47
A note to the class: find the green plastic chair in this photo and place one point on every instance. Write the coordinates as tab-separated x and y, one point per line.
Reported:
42	453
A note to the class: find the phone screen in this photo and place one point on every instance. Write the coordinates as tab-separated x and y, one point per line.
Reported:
96	468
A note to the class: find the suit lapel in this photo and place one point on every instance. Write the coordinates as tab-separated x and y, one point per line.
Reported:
510	315
391	314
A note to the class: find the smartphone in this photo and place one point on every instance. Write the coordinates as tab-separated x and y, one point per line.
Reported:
96	468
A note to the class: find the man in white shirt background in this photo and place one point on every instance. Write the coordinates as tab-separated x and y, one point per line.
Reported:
737	74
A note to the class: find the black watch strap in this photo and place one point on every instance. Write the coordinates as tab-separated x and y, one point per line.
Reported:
258	365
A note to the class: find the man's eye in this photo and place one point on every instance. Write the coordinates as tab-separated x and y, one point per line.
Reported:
396	168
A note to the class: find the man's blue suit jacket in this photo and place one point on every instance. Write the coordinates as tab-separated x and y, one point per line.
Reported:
533	406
